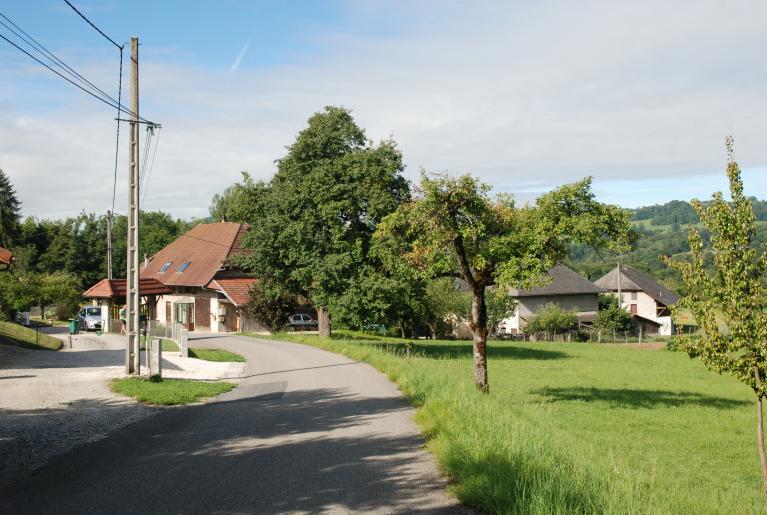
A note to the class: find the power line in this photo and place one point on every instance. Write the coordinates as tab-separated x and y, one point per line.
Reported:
47	54
117	139
206	241
151	165
92	25
39	47
120	108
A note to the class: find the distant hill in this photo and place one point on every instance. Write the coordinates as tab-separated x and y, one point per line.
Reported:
681	212
663	230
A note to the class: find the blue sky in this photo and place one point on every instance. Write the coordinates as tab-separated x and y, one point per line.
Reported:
524	95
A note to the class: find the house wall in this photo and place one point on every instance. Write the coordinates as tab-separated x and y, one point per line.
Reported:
235	319
528	306
210	313
646	307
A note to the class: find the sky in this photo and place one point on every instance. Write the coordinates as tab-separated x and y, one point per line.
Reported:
525	95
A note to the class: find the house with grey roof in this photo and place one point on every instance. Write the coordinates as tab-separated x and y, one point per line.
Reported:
645	298
566	288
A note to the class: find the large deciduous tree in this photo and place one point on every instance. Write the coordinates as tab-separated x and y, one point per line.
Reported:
240	202
10	212
730	303
454	229
315	225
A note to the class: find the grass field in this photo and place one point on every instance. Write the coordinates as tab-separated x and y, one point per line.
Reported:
215	355
29	338
167	345
576	428
168	391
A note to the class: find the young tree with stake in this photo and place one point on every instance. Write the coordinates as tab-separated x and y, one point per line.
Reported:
730	305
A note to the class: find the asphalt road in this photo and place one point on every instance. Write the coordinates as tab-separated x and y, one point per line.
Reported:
305	431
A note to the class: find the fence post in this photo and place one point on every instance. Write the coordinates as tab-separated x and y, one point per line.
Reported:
184	343
599	336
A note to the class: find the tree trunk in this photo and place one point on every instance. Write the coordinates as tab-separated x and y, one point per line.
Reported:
760	437
479	328
401	329
433	329
323	319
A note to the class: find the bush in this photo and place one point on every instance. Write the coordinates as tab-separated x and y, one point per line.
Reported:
614	319
552	319
66	310
271	307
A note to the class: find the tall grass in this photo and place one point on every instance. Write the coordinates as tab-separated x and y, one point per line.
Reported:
575	428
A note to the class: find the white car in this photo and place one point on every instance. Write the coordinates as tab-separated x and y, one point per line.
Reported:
90	318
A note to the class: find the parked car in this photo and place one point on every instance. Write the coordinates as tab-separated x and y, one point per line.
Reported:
302	322
90	318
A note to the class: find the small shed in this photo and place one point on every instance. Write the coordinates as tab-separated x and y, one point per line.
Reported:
110	295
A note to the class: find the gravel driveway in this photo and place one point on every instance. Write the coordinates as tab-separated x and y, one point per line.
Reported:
51	402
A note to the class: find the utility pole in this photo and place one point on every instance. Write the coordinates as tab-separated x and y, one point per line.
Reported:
133	300
109	245
620	296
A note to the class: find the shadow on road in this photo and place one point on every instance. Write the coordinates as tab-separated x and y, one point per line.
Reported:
272	451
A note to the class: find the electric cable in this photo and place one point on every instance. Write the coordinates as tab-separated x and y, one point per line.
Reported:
92	25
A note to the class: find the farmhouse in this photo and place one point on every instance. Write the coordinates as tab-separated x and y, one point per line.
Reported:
567	289
647	300
206	295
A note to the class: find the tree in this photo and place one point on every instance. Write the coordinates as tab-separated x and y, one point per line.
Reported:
316	222
62	290
445	302
453	229
271	306
612	317
10	212
730	304
240	202
552	319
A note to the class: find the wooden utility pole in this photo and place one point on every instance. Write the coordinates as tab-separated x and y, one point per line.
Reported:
133	300
620	295
109	244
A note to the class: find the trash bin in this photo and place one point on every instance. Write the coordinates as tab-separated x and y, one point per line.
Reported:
74	326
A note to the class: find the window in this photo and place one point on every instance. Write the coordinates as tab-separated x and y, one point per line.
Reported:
166	266
92	311
184	266
633	295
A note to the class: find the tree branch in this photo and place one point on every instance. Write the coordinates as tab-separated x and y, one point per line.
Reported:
465	268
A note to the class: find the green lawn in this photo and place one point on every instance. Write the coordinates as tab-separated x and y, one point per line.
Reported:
29	338
576	428
169	391
167	345
215	355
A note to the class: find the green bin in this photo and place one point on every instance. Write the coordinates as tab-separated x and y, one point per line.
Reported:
74	326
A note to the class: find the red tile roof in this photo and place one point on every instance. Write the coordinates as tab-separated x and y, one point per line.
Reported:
113	288
205	247
6	256
236	289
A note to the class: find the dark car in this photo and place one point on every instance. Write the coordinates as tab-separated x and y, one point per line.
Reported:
302	322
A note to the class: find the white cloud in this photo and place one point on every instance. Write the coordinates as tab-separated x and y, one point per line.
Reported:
526	97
